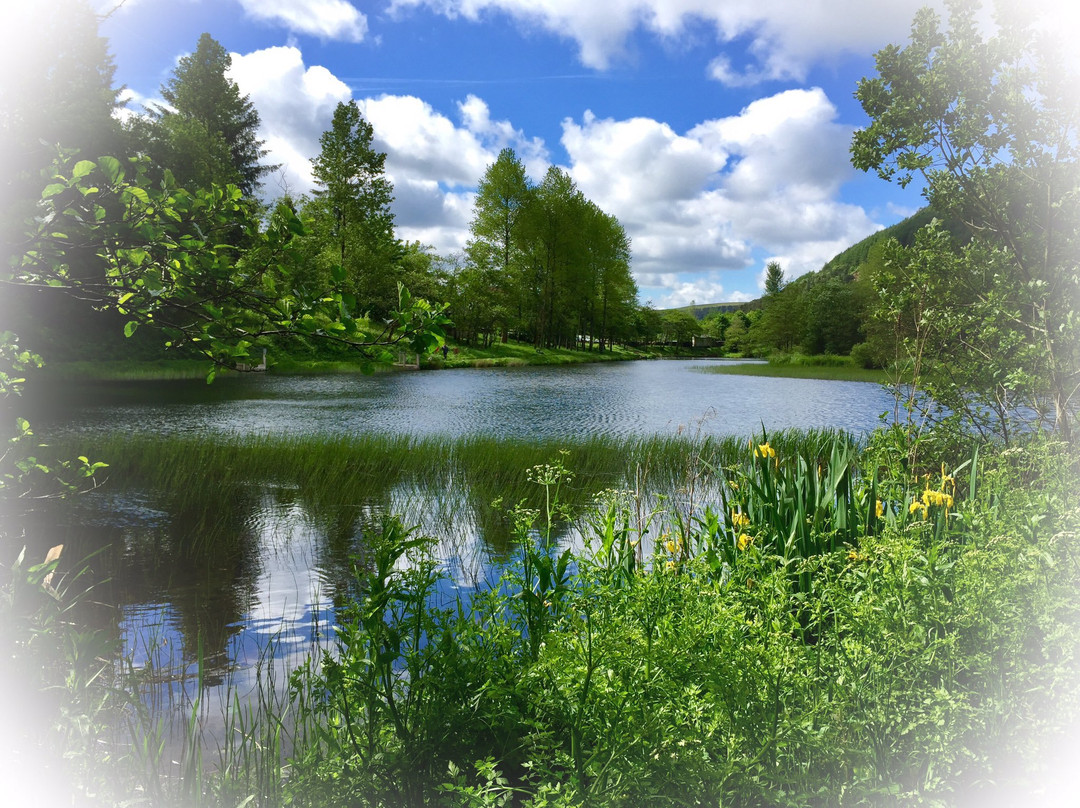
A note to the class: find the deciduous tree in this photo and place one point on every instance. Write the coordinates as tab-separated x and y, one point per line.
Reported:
495	244
990	123
171	265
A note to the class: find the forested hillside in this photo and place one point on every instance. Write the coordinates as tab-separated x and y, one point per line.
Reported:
829	311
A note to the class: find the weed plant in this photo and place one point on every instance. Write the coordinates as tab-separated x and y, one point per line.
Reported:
871	660
819	627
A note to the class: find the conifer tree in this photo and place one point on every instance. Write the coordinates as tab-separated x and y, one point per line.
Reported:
209	132
351	209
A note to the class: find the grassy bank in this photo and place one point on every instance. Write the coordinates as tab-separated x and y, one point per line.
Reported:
832	629
510	354
837	368
126	370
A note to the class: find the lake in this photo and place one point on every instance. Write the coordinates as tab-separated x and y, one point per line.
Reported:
619	399
255	566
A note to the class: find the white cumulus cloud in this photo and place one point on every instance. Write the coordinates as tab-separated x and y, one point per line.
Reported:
765	180
295	104
696	204
328	19
785	37
433	161
755	40
706	289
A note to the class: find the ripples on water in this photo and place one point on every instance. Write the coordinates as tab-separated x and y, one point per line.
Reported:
618	399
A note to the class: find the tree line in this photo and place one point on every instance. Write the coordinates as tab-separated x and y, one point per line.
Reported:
544	264
976	308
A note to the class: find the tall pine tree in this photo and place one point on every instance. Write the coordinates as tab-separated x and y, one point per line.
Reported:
351	209
209	132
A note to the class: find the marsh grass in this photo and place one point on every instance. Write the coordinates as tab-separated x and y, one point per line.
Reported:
343	466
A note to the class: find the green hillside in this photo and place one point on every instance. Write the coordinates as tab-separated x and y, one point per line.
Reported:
701	311
841	267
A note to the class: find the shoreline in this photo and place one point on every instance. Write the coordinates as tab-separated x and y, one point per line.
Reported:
499	355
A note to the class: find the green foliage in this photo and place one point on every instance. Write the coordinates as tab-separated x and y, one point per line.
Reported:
885	657
990	124
543	262
800	506
889	666
59	94
350	214
171	264
679	327
774	278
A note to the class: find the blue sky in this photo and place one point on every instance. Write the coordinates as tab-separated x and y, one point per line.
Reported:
717	131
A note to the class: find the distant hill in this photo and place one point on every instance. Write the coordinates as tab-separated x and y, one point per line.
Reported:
705	309
841	267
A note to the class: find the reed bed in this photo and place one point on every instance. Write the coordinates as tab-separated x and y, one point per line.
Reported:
343	464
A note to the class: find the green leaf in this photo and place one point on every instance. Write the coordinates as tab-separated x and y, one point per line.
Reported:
139	194
138	257
129	328
83	168
112	169
152	280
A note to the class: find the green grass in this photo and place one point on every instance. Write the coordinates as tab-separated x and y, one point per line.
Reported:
845	372
510	354
123	370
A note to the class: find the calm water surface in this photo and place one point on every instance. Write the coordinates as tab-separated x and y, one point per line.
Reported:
262	566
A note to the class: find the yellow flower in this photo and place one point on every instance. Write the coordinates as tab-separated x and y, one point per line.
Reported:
918	506
764	450
670	546
744	541
739	519
670	566
937	498
879	509
852	555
